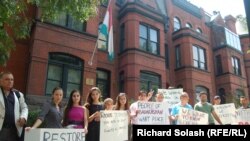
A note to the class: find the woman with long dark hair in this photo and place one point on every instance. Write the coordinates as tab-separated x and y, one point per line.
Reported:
94	106
75	115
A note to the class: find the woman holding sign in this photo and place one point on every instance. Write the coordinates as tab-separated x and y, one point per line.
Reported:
52	112
75	115
122	104
94	106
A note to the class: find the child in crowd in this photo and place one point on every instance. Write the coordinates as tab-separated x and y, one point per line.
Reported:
108	104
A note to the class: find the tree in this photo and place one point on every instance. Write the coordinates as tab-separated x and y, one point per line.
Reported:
243	22
15	24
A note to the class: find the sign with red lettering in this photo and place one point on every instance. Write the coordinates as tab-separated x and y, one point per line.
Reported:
243	116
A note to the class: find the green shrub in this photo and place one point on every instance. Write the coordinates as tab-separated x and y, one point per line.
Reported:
32	117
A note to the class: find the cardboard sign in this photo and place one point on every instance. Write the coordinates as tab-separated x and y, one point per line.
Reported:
152	113
54	134
171	96
114	125
192	117
243	116
226	113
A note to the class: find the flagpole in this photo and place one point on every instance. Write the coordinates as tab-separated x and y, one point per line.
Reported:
90	62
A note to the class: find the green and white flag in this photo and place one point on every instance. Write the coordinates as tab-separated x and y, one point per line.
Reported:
107	30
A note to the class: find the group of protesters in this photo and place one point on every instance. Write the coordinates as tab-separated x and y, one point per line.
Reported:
14	110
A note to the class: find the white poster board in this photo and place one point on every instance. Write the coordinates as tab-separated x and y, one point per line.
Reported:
152	113
54	134
114	125
171	96
192	117
243	116
226	113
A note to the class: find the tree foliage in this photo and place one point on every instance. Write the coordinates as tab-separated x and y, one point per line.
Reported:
15	24
243	22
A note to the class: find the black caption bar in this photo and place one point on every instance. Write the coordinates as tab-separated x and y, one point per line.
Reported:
204	132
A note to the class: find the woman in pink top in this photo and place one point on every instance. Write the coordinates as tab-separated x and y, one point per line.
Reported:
75	115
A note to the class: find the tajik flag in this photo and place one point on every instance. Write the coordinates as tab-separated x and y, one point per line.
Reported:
107	30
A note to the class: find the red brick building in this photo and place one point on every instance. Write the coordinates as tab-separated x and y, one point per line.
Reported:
157	44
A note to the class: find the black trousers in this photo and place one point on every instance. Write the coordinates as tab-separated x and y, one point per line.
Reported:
8	134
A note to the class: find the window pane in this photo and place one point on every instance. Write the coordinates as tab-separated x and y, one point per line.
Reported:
102	36
202	66
51	85
232	59
102	41
55	72
68	72
149	81
219	64
195	53
236	65
143	31
239	93
201	55
178	57
143	44
153	35
155	87
102	74
153	48
196	64
61	19
144	86
238	44
232	39
71	87
76	24
103	82
102	45
103	86
74	76
188	25
198	30
65	59
177	24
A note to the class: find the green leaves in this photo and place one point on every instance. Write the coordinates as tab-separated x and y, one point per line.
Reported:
243	21
15	24
79	9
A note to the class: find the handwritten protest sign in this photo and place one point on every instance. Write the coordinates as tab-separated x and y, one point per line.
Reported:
152	113
51	134
191	117
114	126
243	116
226	113
171	96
